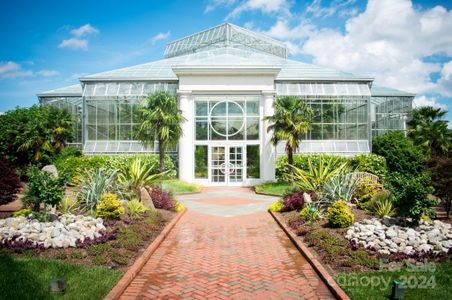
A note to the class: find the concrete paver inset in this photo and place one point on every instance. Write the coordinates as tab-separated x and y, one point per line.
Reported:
242	257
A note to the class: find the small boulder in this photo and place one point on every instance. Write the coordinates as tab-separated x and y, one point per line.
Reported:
51	169
146	199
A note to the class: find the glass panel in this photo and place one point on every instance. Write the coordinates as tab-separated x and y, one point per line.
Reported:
201	129
200	161
252	108
252	161
201	108
218	108
252	128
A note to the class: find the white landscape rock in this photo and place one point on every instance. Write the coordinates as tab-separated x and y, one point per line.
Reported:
386	236
61	233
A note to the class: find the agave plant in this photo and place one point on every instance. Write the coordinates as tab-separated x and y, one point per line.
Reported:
316	176
93	185
341	186
136	175
382	204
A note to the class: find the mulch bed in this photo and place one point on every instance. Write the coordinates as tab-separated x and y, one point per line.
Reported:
128	240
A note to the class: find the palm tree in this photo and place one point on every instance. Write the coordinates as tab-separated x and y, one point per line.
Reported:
290	122
428	130
160	119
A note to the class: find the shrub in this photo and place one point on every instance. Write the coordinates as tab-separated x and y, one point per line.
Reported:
276	206
23	212
318	173
339	215
310	214
68	205
441	169
400	153
74	166
179	207
410	192
341	186
301	161
9	182
370	163
293	201
109	207
93	185
162	199
381	204
43	187
136	209
365	190
68	152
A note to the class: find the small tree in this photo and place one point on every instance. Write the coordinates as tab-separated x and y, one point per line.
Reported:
9	183
290	122
160	119
441	169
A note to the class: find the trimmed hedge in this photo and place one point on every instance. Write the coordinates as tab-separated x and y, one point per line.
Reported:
370	163
72	167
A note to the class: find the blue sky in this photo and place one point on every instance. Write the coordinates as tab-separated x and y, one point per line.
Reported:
401	43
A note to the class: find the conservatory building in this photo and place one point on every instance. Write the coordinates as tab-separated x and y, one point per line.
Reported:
226	79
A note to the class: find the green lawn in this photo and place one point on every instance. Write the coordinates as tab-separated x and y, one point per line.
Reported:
433	282
177	187
28	278
273	188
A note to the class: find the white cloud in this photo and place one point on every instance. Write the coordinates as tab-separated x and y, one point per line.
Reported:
336	6
388	41
48	73
160	36
84	30
428	101
11	70
74	43
445	81
214	4
264	6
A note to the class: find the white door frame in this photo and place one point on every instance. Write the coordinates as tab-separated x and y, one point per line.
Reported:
226	147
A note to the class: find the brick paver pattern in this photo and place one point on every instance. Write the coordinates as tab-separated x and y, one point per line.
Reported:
213	257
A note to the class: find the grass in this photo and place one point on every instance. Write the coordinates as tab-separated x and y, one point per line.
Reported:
272	188
28	278
431	282
177	187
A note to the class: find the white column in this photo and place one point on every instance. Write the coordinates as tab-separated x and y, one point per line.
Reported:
268	153
186	151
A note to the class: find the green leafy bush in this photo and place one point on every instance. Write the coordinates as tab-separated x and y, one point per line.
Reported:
310	214
9	182
276	206
74	166
43	187
339	215
370	163
381	204
400	153
410	192
301	161
136	209
365	190
23	212
109	207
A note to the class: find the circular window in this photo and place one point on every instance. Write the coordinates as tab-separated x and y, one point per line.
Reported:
226	118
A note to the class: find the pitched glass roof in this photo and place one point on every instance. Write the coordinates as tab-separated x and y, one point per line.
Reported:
226	35
72	90
382	91
224	57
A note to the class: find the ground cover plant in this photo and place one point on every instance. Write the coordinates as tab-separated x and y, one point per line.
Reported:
179	187
272	188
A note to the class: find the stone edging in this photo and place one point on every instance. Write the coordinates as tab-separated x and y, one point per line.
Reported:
321	271
132	272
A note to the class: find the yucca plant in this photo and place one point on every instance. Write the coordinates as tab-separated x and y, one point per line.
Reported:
382	204
341	186
136	175
136	209
68	205
93	185
316	176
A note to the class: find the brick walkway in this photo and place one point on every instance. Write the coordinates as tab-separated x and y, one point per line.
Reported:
241	257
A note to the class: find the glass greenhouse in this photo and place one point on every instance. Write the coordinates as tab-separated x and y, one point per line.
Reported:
226	79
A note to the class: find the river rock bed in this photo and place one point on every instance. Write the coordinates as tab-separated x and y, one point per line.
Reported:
64	232
386	236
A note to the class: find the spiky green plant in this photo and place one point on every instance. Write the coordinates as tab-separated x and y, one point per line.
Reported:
136	175
382	204
341	186
136	209
93	185
316	176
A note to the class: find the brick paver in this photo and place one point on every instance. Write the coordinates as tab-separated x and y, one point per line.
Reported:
241	257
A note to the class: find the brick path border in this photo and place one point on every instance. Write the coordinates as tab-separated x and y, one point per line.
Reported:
321	271
132	272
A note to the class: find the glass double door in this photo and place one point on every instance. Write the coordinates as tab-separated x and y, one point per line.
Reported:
226	164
